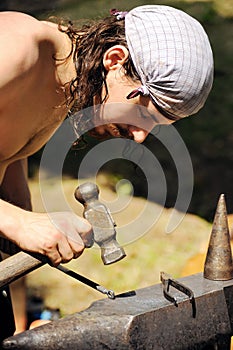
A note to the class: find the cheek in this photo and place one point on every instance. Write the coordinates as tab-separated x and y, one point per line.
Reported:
125	114
117	113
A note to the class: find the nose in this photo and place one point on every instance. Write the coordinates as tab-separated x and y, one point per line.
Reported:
139	135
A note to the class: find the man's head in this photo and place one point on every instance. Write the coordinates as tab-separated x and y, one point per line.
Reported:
155	52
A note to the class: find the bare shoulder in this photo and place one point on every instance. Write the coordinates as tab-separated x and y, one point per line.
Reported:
20	41
19	24
17	29
15	18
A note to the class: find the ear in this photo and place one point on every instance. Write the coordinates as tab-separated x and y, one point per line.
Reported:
115	57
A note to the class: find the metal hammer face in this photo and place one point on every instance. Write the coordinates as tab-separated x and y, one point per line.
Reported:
103	225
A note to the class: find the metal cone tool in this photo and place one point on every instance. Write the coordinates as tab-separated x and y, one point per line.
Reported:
218	264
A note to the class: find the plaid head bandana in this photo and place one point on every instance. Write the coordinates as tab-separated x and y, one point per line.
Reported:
172	55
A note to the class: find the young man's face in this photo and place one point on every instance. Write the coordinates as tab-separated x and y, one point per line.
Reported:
119	117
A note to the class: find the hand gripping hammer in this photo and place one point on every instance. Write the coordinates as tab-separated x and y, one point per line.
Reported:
101	220
99	217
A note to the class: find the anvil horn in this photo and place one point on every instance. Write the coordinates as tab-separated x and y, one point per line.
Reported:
218	264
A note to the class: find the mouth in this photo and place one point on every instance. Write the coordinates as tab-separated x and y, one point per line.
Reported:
109	131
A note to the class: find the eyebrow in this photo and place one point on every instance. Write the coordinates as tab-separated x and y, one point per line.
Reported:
149	114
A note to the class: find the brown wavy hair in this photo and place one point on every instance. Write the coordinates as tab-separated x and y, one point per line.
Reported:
89	43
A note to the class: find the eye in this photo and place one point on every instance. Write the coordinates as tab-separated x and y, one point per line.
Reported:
142	115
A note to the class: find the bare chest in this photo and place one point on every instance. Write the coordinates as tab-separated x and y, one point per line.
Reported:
28	124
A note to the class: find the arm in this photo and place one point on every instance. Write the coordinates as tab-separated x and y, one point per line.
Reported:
56	235
59	236
14	188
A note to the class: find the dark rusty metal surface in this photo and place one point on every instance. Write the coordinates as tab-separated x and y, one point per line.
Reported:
101	220
218	264
167	282
143	319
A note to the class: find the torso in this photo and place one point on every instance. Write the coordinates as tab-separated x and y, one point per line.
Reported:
37	107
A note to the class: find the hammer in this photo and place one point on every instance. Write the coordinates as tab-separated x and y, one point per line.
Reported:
102	223
22	263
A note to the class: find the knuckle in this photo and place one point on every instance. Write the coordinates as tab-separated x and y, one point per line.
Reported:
49	245
69	256
78	247
56	260
57	235
84	225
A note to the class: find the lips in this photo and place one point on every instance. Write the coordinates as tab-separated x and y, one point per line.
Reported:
110	130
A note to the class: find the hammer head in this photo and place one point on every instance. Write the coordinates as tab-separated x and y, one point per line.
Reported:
102	223
87	193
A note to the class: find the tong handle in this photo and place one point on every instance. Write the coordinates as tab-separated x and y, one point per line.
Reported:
19	265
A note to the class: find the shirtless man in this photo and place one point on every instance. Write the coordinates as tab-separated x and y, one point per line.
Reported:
46	71
31	87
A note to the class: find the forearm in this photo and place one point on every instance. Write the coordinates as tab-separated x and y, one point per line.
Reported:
14	187
10	221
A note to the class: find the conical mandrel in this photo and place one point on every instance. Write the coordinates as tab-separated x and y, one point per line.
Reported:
218	264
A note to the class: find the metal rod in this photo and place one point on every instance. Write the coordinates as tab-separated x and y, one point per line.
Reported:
88	282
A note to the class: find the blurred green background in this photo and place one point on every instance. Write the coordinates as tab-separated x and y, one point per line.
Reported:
208	135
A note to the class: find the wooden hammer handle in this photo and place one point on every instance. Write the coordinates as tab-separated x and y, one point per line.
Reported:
19	265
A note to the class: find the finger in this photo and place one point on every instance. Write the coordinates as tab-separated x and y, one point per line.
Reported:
54	257
88	239
65	250
83	231
76	248
77	255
